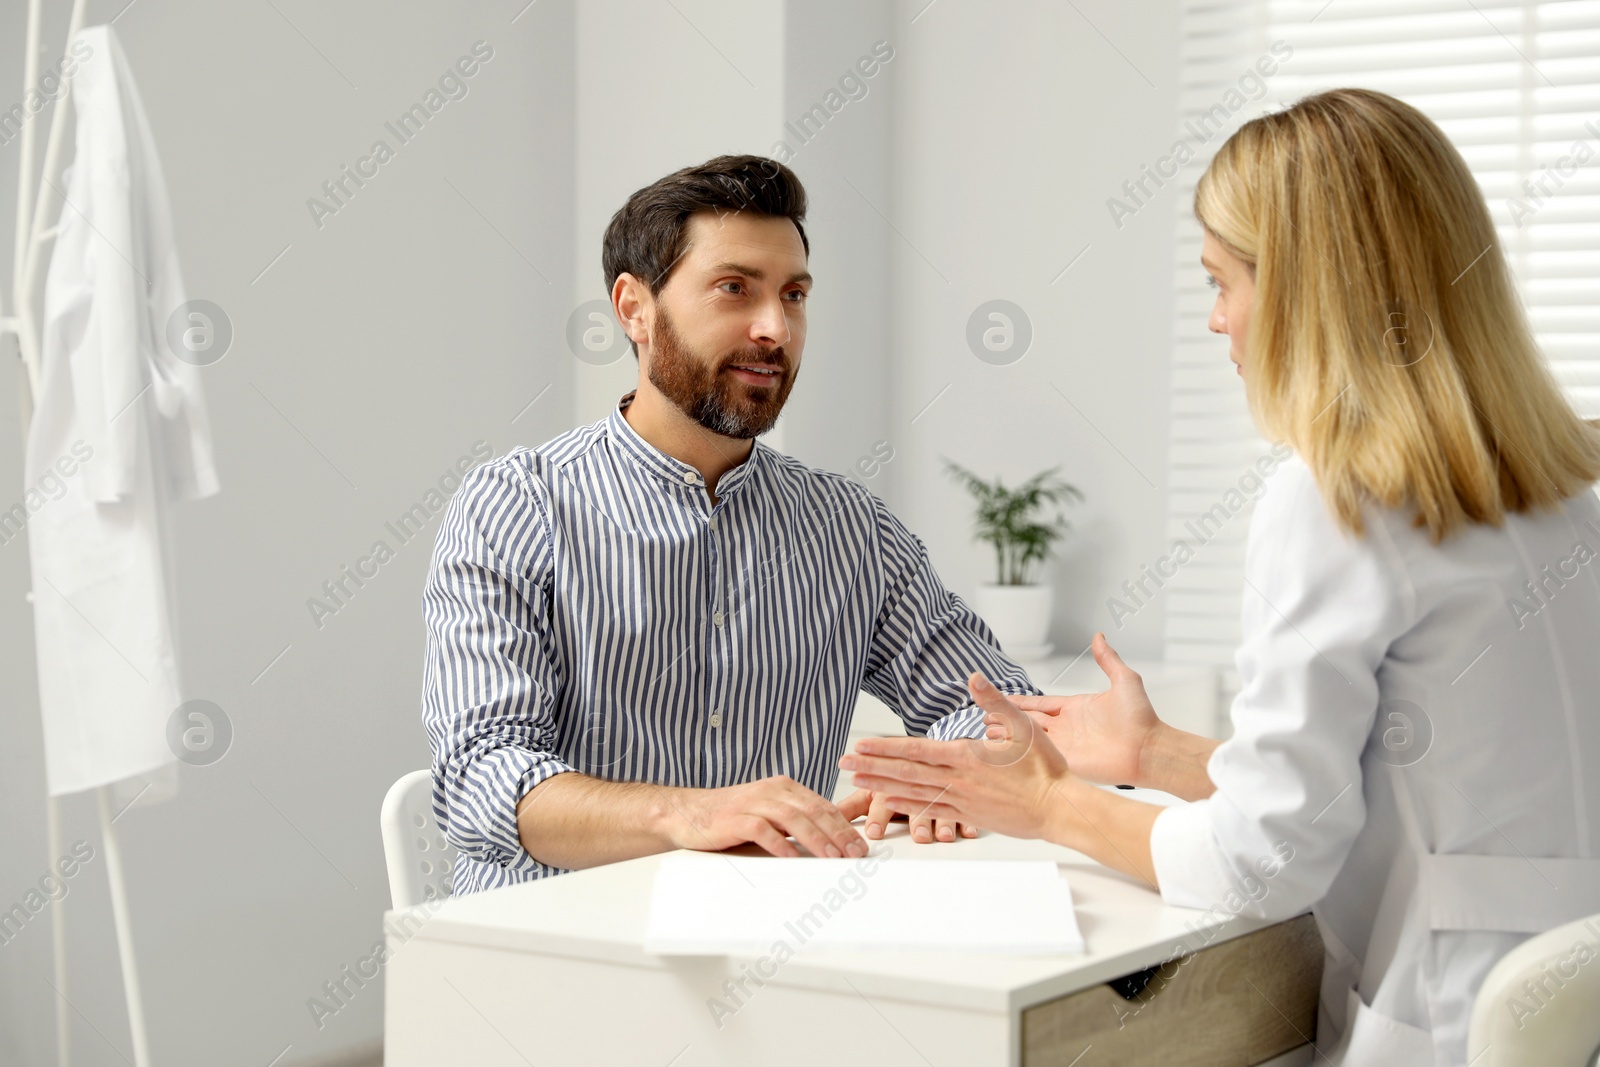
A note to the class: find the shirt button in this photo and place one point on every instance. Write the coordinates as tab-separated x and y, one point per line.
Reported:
713	522
716	720
691	477
716	617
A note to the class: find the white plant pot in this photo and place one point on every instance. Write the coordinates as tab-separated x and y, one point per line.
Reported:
1019	615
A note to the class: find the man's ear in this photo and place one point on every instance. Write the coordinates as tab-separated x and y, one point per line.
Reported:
632	302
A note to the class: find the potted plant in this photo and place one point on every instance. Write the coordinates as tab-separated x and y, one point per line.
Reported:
1015	522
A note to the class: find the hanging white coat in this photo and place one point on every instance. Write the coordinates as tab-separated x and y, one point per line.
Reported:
119	430
1418	730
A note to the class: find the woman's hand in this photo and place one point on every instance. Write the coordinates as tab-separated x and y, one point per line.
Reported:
1006	781
1012	781
1104	736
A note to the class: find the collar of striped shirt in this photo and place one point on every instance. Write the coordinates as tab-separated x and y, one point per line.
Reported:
675	471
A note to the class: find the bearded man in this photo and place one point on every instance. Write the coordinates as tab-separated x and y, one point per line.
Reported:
650	633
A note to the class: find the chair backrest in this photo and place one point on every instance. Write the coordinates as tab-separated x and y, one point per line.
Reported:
1538	1003
419	858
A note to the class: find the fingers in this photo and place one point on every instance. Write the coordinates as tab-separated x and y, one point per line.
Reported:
1045	705
816	838
856	804
866	802
899	787
811	820
997	707
878	817
769	837
1109	661
840	839
916	808
899	770
926	828
906	778
1008	731
920	749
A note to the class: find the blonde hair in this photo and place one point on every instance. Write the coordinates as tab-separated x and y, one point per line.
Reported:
1387	343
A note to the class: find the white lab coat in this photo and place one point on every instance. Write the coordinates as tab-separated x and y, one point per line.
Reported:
110	388
1423	860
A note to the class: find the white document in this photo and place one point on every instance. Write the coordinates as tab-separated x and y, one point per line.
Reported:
705	904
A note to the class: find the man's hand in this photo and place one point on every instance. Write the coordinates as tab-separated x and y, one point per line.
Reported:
924	827
767	812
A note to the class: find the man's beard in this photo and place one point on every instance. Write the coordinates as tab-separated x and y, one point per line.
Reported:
705	392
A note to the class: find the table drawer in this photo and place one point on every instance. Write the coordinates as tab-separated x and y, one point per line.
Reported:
1236	1004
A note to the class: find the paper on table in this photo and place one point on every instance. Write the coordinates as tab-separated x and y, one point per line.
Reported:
707	905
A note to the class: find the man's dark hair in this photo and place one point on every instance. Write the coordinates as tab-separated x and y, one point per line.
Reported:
646	237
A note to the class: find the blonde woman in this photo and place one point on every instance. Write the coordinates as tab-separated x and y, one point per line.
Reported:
1416	745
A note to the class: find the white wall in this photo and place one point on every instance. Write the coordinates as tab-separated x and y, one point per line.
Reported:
640	116
1014	123
742	80
841	405
390	340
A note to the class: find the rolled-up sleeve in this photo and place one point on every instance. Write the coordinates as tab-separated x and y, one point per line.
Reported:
490	681
1320	610
927	641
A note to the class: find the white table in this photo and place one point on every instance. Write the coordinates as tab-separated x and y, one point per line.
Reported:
553	972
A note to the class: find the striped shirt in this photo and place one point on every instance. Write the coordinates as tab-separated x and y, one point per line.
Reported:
589	609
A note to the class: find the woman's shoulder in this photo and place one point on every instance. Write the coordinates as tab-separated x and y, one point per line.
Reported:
1297	505
1292	504
1295	526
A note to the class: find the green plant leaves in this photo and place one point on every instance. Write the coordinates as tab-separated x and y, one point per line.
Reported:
1010	520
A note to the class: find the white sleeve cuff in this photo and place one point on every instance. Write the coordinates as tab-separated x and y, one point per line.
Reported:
1188	864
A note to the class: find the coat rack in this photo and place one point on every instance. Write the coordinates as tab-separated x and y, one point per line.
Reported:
38	201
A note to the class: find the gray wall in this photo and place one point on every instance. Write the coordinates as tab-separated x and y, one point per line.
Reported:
425	315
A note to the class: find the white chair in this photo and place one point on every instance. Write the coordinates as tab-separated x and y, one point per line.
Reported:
1558	1028
419	858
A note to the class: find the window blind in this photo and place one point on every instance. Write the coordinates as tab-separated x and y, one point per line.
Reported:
1515	84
